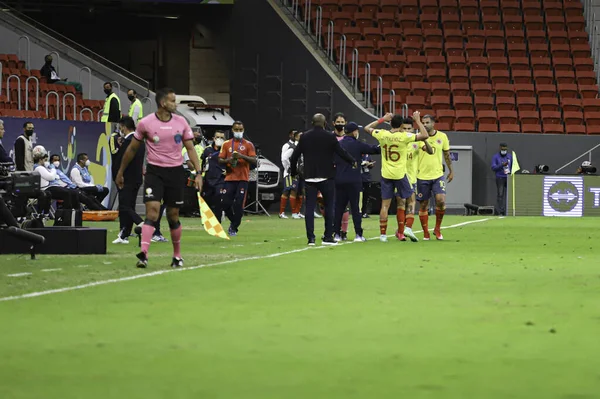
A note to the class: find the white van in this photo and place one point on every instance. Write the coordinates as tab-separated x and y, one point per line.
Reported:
210	118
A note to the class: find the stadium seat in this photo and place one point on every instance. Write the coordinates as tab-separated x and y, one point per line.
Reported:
546	90
571	104
488	127
505	103
591	104
462	102
554	128
440	89
573	118
538	50
460	89
592	118
565	77
575	129
521	77
483	103
469	21
526	104
479	76
464	126
440	103
529	117
458	75
567	90
508	117
465	116
588	91
548	104
474	49
499	77
524	90
436	75
531	128
543	77
510	128
446	116
592	129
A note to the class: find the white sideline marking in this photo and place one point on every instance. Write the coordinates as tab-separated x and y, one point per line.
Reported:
50	270
159	272
18	274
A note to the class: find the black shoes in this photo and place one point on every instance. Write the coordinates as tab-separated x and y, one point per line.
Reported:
142	262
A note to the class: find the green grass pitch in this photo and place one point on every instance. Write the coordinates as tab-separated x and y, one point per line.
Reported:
503	308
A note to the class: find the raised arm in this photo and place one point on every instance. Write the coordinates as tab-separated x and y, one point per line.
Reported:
371	126
422	135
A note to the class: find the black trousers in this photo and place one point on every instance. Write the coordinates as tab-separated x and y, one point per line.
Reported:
212	195
327	189
100	195
69	197
501	184
44	201
90	202
366	190
234	198
127	214
344	193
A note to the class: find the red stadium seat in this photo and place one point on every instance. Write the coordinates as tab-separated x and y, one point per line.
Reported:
483	103
592	129
592	118
470	7
526	104
571	104
563	77
573	118
446	116
508	117
465	116
543	77
499	76
533	21
554	128
529	117
460	89
462	103
510	128
591	104
464	126
531	128
436	75
521	77
440	89
505	103
440	103
548	104
474	49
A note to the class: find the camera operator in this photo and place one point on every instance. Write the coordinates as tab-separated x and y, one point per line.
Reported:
50	181
586	168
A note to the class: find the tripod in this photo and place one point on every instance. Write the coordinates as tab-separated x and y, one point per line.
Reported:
257	204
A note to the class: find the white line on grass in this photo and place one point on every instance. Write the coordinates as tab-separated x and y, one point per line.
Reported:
50	270
226	262
18	274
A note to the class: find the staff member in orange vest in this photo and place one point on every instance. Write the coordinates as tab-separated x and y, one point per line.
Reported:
237	155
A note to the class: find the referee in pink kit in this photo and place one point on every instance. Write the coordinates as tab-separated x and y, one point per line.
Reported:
164	133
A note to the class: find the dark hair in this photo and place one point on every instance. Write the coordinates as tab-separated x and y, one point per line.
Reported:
397	121
408	121
430	117
161	94
27	123
55	155
292	131
81	156
134	92
107	83
237	123
128	122
339	115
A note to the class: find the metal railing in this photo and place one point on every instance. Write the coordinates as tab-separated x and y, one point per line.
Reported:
100	113
52	92
74	45
588	152
89	110
405	110
28	50
379	108
354	77
319	27
367	84
330	51
18	89
64	101
37	93
342	61
84	69
393	101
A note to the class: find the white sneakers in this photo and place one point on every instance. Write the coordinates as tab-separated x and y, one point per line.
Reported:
283	216
120	240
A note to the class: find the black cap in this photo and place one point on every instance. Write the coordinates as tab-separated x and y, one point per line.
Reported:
350	127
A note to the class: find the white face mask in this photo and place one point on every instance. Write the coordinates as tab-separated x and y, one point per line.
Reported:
357	135
47	164
238	135
219	142
87	163
56	164
503	152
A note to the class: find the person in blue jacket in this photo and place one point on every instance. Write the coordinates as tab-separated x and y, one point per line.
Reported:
348	181
502	163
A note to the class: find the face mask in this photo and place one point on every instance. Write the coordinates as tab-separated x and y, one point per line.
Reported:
339	128
296	142
47	164
219	142
357	135
29	132
48	62
87	163
107	91
131	98
238	135
503	152
56	164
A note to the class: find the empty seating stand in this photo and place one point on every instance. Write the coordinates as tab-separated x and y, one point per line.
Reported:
25	95
494	55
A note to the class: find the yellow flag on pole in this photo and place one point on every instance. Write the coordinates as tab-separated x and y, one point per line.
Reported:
515	164
209	220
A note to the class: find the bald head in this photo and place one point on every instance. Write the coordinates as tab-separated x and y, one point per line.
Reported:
319	120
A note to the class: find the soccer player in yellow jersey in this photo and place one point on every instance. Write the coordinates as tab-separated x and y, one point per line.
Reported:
430	177
412	162
394	145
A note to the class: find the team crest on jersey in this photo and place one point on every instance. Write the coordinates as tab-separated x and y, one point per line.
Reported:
178	138
415	146
230	149
439	141
242	148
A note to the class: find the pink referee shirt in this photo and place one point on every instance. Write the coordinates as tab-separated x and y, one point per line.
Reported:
164	140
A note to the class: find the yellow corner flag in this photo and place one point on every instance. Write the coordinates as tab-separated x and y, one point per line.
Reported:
209	221
515	164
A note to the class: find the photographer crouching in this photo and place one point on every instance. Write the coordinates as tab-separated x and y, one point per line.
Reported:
586	168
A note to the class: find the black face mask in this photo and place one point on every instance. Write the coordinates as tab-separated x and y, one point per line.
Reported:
107	91
339	128
49	62
131	98
29	132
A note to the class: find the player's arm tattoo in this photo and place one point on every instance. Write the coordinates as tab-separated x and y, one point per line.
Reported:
448	160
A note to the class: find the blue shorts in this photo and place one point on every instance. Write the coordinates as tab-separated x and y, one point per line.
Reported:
291	184
391	188
426	187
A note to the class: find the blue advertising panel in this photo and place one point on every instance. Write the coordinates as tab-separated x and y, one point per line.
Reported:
68	138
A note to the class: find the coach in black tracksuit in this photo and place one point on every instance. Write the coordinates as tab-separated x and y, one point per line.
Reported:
133	180
348	180
318	147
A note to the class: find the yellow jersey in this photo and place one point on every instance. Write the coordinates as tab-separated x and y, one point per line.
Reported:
393	152
412	161
431	165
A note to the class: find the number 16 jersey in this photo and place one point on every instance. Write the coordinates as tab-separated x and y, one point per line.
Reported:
393	152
